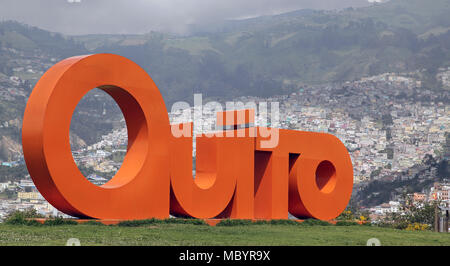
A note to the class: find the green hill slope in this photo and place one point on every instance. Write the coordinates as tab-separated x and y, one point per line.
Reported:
267	55
25	54
199	235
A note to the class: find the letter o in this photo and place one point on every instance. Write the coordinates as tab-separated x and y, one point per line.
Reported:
321	179
141	187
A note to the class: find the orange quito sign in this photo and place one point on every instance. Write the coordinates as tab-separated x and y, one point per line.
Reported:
237	176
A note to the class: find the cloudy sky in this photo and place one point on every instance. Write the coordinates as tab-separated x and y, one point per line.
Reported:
140	16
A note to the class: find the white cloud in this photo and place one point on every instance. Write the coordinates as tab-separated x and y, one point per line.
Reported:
140	16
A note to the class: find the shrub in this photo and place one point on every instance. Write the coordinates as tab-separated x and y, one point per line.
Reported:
136	223
346	215
283	222
410	216
184	221
93	222
312	222
400	225
32	223
364	219
237	222
417	227
26	218
21	217
59	221
368	223
346	223
261	222
234	222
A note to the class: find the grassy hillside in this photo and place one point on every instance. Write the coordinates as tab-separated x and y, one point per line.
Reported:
270	54
26	52
183	234
273	54
416	15
34	40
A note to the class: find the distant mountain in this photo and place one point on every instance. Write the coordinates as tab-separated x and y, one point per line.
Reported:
19	41
30	39
273	54
25	54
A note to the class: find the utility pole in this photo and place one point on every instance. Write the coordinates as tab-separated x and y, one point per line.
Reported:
446	220
436	218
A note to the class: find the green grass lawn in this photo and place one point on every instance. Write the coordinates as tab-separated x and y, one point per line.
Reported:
187	234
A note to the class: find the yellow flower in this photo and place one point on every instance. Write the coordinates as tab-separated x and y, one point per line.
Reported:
416	227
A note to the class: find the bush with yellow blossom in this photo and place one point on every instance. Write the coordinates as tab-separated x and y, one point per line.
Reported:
417	227
346	215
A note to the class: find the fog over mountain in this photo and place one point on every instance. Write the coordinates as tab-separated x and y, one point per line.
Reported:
141	16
